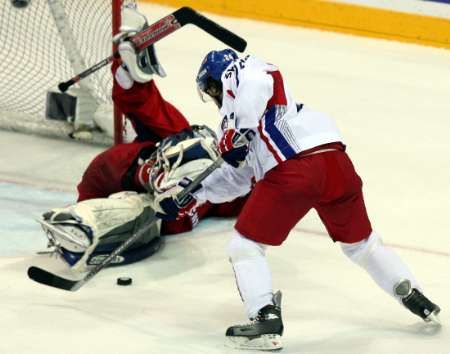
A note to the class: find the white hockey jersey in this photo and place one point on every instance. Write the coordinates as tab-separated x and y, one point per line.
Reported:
256	97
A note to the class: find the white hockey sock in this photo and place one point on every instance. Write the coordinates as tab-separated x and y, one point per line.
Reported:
252	273
383	265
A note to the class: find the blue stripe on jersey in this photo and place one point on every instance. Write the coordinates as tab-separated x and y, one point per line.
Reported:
275	135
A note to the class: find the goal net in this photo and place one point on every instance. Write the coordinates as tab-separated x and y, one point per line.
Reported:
45	42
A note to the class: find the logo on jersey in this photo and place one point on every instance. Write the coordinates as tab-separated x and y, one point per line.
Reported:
224	124
230	93
229	122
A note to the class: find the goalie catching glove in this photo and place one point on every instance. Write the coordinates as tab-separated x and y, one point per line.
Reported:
136	66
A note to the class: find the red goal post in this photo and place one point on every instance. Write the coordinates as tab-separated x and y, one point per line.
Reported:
118	119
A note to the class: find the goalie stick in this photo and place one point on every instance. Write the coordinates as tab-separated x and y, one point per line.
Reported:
161	29
47	278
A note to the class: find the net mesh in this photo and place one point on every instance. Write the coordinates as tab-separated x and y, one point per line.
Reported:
34	59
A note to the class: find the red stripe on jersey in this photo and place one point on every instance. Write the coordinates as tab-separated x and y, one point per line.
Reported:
278	97
267	142
230	93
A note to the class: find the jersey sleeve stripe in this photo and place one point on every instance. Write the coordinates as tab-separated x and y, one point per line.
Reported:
275	134
267	142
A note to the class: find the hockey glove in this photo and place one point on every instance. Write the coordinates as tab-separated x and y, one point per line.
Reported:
136	66
234	146
171	208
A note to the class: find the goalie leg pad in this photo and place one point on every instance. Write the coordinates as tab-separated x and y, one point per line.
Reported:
101	225
134	254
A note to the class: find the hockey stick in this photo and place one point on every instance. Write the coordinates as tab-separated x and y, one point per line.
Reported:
161	29
47	278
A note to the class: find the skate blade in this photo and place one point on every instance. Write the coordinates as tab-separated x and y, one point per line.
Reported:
267	342
433	318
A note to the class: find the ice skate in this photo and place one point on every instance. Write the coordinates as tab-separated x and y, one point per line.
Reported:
416	302
262	333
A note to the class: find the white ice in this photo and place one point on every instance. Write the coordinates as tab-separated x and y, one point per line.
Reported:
392	102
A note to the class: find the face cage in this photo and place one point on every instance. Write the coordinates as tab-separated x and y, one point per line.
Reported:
203	131
163	170
162	166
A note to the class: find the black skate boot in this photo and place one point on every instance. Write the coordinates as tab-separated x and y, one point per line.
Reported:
262	333
416	302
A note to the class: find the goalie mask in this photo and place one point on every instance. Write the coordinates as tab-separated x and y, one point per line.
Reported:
186	154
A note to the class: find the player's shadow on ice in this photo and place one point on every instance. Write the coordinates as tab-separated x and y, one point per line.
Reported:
191	250
174	257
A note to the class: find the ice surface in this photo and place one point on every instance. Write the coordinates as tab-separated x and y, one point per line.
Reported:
392	103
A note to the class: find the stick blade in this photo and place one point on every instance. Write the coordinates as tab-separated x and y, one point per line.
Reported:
44	277
187	15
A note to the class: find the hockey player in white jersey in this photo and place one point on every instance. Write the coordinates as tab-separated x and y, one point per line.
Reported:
297	161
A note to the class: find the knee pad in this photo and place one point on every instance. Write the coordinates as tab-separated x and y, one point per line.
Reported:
241	248
359	252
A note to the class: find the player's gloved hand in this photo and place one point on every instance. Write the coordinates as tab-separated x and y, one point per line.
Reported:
234	146
136	66
169	207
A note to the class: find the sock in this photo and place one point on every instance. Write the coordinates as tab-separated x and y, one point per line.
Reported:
252	273
383	264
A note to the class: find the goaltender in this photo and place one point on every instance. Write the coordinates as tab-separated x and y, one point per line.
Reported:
118	190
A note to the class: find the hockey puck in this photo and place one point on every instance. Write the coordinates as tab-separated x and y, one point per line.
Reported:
124	281
20	3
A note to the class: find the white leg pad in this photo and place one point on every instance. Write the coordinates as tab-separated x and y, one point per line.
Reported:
253	276
383	265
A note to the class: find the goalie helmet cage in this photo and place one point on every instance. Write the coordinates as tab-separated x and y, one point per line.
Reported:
47	42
